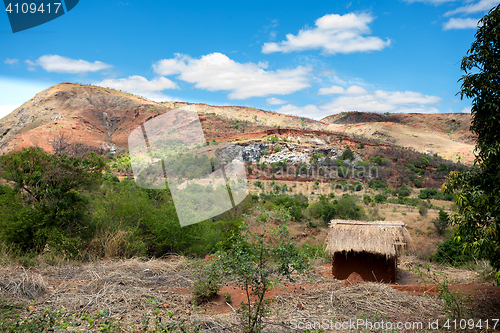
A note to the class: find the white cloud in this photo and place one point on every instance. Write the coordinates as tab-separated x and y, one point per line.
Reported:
460	23
31	65
356	98
466	109
310	111
333	34
58	64
333	90
7	109
384	101
337	90
275	101
216	71
139	85
432	2
480	6
11	61
355	90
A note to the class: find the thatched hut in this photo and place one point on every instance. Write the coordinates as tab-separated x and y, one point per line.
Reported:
367	248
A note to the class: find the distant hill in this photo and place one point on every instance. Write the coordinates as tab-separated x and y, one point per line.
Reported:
446	134
104	118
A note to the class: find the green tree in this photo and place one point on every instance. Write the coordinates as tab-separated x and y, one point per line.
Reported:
441	222
50	189
258	261
347	154
478	190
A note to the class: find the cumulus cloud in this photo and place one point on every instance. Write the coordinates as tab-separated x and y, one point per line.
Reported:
480	6
432	2
460	23
333	34
216	71
356	98
382	101
58	64
333	90
337	90
11	61
310	111
139	85
275	101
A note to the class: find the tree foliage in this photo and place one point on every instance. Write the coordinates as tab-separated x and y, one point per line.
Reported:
478	190
47	203
258	261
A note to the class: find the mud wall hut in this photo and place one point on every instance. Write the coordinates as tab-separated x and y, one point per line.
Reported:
370	248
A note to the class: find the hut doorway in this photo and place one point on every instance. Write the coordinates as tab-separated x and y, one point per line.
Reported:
370	266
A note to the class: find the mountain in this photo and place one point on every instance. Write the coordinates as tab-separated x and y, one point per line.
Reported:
103	118
446	134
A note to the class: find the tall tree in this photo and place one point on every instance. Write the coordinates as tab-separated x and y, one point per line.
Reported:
478	190
49	203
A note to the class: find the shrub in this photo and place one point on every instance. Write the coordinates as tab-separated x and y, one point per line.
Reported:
451	252
347	208
277	149
422	209
257	262
379	198
377	184
404	191
206	287
347	154
441	222
367	199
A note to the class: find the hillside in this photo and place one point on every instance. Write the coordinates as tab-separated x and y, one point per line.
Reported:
446	134
103	118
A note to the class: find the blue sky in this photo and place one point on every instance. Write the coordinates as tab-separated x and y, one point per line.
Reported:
311	59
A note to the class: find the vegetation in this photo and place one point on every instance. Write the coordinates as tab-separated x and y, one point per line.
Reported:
477	191
258	261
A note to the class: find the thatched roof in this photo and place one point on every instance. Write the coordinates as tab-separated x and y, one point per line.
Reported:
380	237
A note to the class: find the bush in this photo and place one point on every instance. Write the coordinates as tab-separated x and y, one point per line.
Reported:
441	222
379	198
377	184
404	191
206	287
347	208
422	209
347	154
277	149
367	199
451	252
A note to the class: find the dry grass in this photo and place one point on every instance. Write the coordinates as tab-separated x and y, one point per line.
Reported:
20	283
127	289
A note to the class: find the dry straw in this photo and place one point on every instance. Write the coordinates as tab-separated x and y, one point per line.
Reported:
379	237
